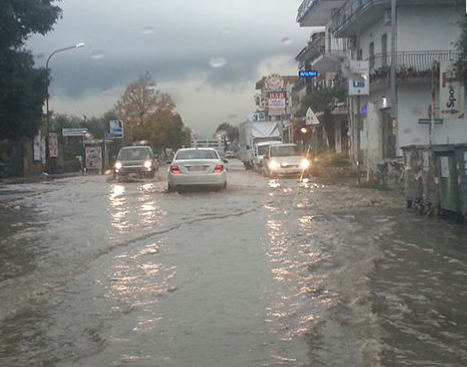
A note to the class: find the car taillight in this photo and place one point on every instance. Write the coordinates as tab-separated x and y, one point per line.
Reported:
219	168
175	170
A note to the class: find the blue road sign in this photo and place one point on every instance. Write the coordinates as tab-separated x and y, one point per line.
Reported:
307	74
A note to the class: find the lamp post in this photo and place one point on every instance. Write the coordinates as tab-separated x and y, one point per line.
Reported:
47	152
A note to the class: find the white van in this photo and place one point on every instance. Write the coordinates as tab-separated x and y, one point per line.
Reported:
285	159
260	149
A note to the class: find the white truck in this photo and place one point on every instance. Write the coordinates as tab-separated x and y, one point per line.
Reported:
252	132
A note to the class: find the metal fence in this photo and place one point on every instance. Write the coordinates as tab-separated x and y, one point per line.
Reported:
410	63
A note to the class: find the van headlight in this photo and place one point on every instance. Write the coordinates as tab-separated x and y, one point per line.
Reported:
273	165
118	165
148	164
304	163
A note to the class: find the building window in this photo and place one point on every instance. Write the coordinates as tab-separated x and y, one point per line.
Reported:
389	139
372	55
384	50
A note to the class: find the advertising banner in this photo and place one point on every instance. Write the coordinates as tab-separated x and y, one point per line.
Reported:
53	145
451	92
258	116
360	85
39	148
93	158
276	103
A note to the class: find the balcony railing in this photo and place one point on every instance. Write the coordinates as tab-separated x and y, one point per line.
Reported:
409	64
303	9
350	11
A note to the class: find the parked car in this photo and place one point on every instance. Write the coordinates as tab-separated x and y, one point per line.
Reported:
285	159
135	161
197	167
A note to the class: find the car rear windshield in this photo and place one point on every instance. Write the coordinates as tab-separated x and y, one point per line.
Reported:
197	154
284	151
134	154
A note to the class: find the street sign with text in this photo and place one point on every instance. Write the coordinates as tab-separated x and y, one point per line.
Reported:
307	74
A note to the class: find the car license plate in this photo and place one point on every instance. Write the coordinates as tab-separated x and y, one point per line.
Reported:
196	168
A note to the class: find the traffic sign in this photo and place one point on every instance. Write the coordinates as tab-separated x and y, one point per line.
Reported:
310	117
307	74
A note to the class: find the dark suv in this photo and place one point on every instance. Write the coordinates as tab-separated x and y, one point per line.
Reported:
135	161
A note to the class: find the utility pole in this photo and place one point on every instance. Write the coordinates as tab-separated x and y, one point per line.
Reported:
393	71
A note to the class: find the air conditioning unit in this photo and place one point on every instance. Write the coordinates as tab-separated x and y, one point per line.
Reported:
387	17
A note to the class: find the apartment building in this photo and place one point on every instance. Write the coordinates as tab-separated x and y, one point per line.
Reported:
413	47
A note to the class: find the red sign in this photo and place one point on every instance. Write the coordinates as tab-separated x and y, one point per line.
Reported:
276	103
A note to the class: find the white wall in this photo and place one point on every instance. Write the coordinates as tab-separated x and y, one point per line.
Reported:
419	28
413	102
374	34
422	28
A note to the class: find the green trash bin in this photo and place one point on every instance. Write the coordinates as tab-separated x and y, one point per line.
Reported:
461	166
448	180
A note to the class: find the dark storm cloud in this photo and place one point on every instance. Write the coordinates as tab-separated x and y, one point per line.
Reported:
77	74
212	49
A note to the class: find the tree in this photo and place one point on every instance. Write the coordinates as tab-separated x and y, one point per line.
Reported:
323	100
228	130
22	88
149	115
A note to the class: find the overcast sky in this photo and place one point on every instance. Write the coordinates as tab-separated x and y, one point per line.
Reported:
207	54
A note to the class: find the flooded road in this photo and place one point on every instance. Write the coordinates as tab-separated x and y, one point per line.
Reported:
267	273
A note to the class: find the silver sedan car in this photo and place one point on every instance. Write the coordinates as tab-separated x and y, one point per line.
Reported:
197	167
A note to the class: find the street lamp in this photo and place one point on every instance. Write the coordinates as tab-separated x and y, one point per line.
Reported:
47	152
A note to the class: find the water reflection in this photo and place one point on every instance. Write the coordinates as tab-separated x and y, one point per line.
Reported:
289	314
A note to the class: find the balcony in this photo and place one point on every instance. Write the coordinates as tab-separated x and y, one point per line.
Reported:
410	65
314	49
356	15
336	49
317	13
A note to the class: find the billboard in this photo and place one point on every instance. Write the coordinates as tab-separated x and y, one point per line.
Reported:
451	92
360	85
116	129
276	103
93	157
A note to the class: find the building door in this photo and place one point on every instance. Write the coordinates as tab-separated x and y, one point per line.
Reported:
389	137
384	50
372	55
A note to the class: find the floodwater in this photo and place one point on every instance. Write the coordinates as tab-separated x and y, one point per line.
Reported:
95	272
